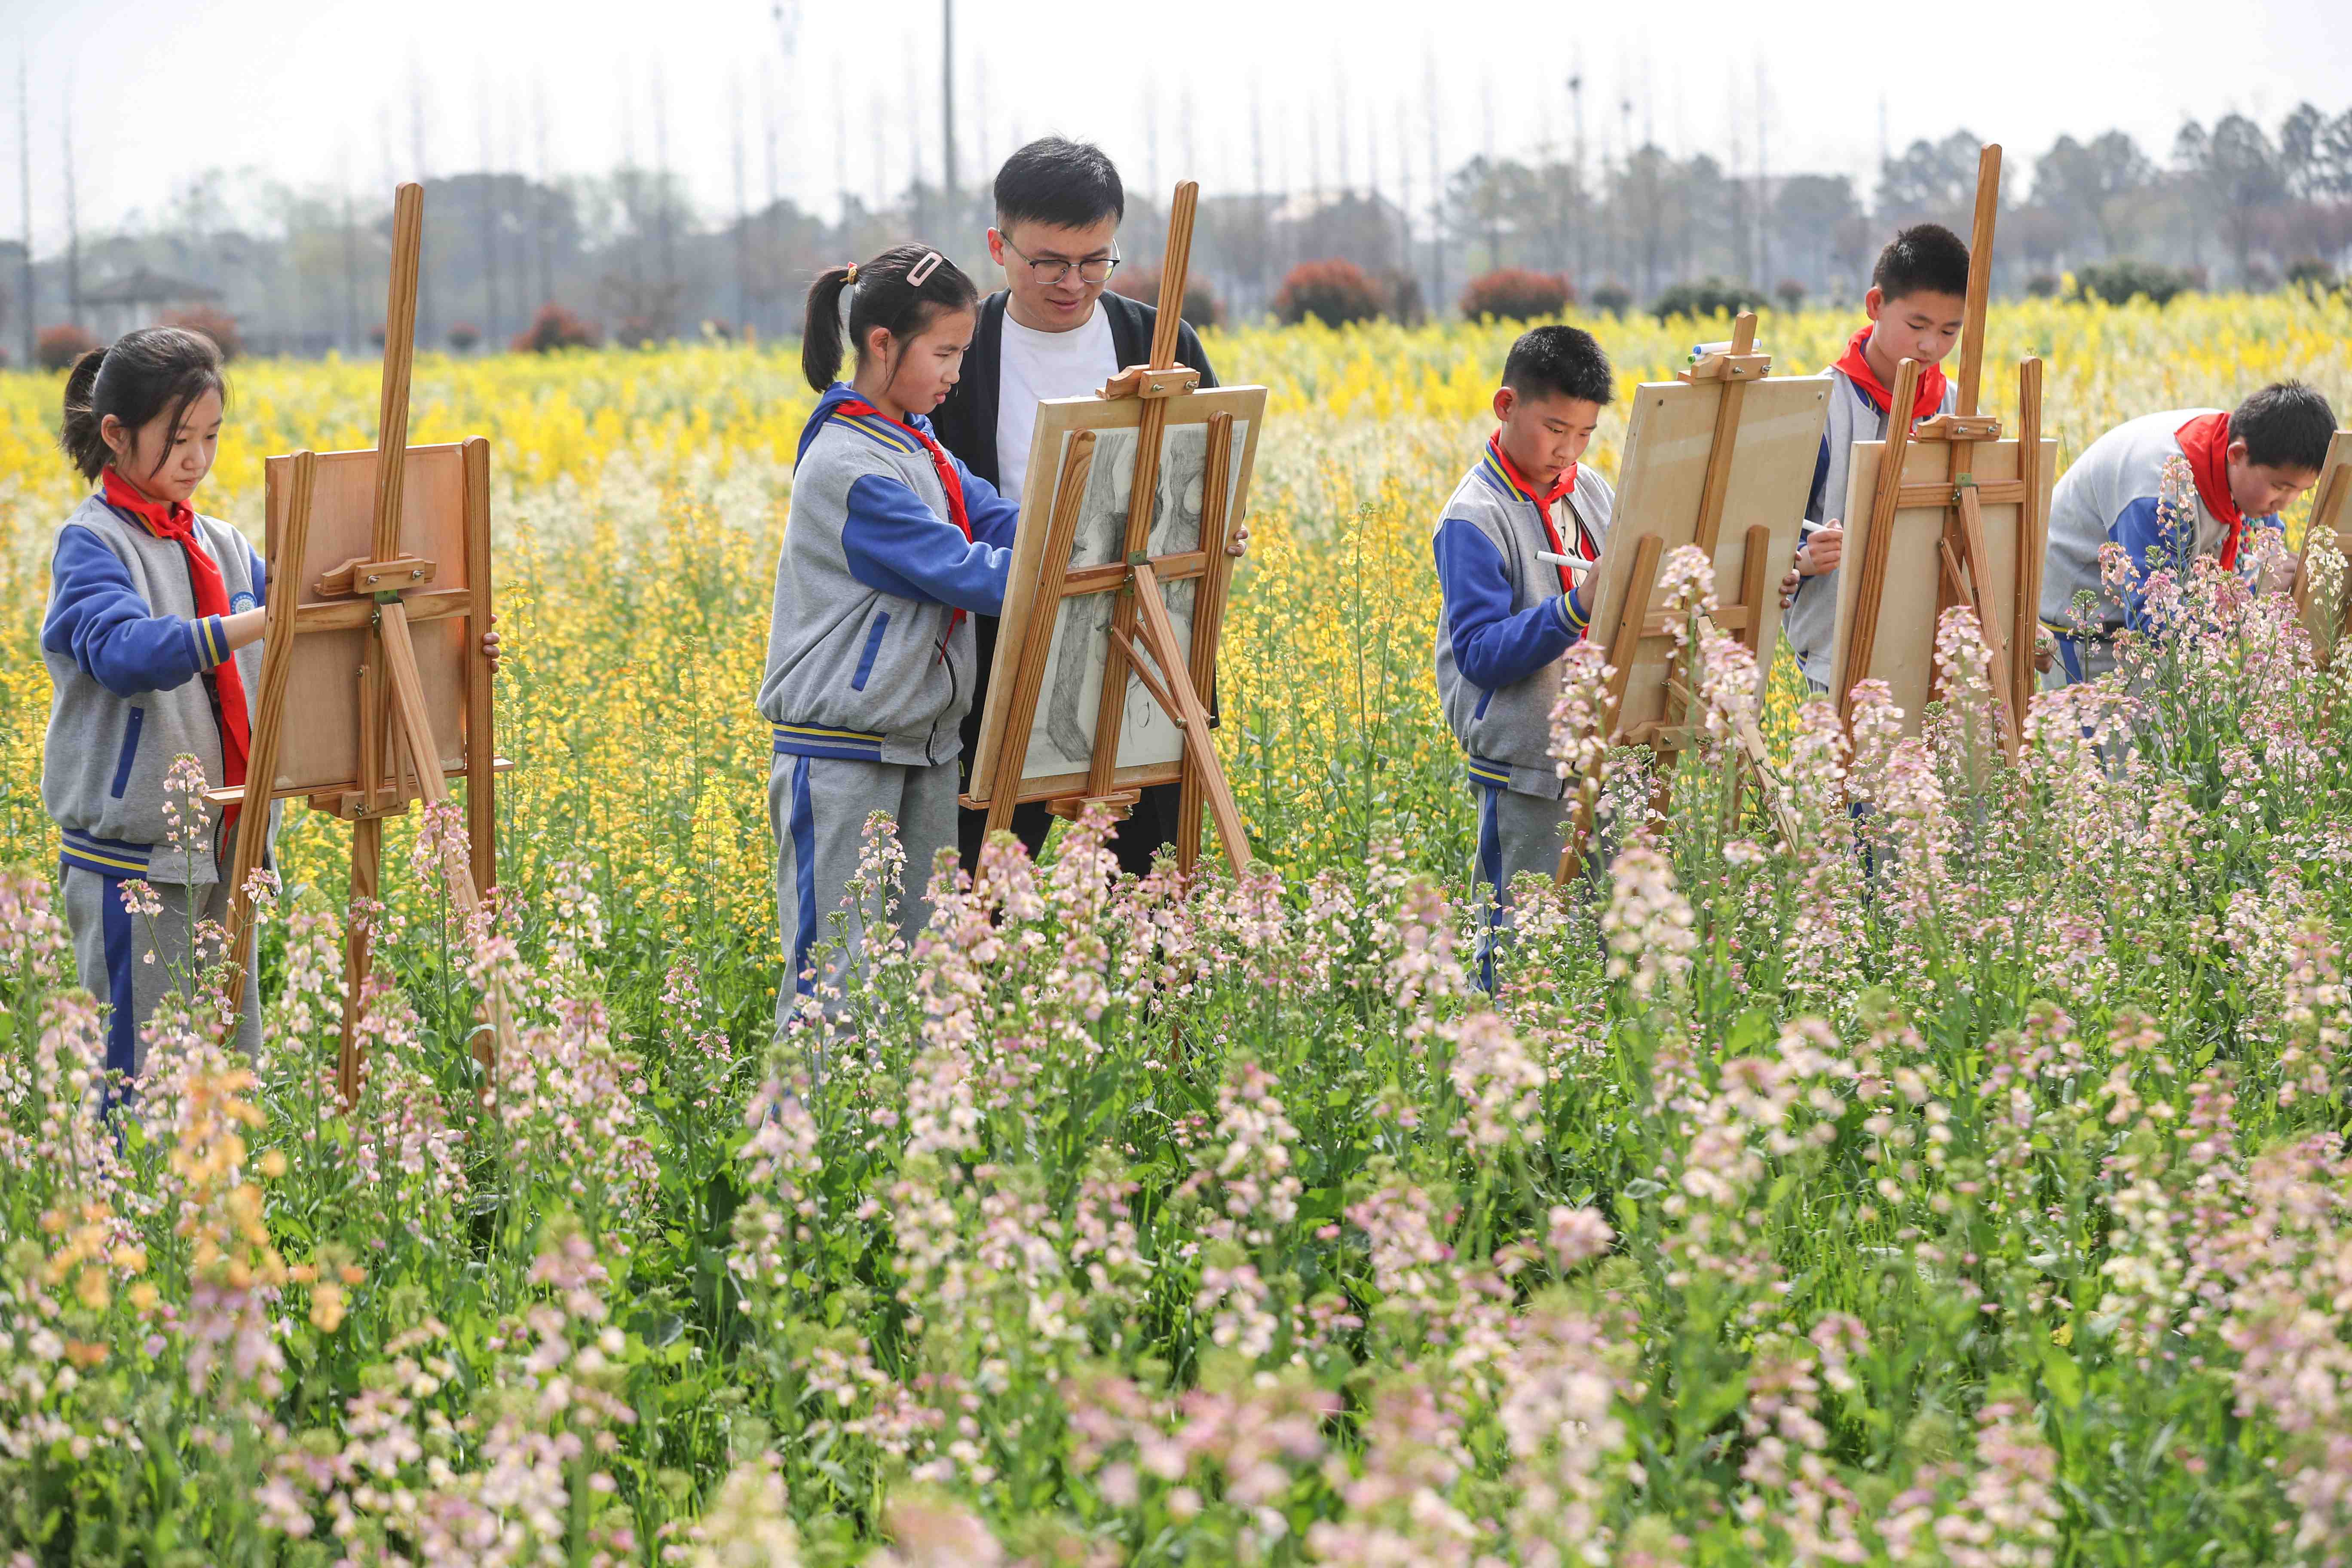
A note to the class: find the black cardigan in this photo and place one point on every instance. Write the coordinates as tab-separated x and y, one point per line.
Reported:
966	423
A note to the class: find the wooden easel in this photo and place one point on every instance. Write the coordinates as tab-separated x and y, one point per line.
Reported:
2331	511
1142	637
1744	614
386	591
1964	561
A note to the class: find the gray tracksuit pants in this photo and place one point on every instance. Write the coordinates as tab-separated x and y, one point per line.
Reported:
1517	833
132	961
818	807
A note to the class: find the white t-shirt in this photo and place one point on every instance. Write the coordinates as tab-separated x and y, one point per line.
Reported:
1037	366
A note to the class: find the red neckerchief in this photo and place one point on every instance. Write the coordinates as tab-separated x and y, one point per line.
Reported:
941	464
1543	503
177	522
2205	442
1856	365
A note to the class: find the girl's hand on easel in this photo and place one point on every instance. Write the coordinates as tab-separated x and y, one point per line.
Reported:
490	646
1789	587
1237	542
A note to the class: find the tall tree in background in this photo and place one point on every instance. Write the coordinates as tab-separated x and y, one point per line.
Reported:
2233	172
2095	189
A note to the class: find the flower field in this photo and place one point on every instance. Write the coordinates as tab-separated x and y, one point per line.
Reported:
1960	1180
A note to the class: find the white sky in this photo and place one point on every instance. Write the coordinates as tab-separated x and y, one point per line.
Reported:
321	91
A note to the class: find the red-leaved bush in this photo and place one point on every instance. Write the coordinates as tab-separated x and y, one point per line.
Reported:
1516	294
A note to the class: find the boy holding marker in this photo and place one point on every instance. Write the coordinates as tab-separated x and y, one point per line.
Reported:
2246	465
1512	547
1916	304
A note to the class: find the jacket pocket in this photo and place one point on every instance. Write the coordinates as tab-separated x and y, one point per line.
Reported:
1484	697
130	754
873	646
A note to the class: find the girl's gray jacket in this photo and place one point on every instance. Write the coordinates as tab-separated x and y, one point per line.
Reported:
870	649
128	659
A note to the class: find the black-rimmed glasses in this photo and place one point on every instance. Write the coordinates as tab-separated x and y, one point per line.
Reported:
1050	271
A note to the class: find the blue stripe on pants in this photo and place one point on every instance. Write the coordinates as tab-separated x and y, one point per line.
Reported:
1490	866
803	875
123	1023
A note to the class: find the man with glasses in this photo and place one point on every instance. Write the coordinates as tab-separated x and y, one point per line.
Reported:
1051	331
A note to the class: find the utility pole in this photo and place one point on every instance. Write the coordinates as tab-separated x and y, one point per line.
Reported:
24	158
350	263
947	103
541	197
490	211
1436	183
1576	174
73	222
1763	191
742	211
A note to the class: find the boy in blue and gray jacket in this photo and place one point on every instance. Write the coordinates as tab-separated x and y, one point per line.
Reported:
891	548
2243	467
1506	616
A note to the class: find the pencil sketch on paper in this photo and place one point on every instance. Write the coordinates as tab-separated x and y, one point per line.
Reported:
1061	739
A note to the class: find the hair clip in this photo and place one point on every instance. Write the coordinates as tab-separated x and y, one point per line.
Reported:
849	274
924	268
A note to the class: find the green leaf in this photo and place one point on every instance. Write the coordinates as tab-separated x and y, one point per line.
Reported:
2061	1377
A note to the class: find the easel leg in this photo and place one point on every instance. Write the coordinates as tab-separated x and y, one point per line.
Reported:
1158	634
367	866
415	728
1037	637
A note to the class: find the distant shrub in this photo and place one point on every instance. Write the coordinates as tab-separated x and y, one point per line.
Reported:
376	334
1612	299
215	324
1332	291
58	347
2312	274
1707	296
553	330
1202	306
1403	291
636	333
464	336
1516	294
2042	285
2120	282
1790	293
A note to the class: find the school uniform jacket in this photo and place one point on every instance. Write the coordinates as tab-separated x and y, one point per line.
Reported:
127	654
867	657
2109	495
1810	623
1503	622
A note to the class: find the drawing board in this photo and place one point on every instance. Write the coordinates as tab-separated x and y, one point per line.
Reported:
320	752
2331	507
1670	436
1062	735
1903	652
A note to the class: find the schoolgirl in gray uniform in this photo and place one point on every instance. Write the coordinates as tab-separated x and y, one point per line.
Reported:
892	546
152	643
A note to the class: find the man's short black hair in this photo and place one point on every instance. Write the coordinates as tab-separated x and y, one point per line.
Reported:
1925	259
1059	182
1562	361
2285	426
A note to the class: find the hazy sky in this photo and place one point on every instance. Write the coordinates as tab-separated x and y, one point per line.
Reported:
324	92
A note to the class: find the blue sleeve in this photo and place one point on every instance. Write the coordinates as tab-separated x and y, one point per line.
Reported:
260	571
2150	547
1816	503
97	619
993	518
1494	647
898	545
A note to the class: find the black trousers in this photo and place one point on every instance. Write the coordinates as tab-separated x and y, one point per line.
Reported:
1148	829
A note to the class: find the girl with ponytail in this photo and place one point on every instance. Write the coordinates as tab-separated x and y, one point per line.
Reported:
152	639
892	546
